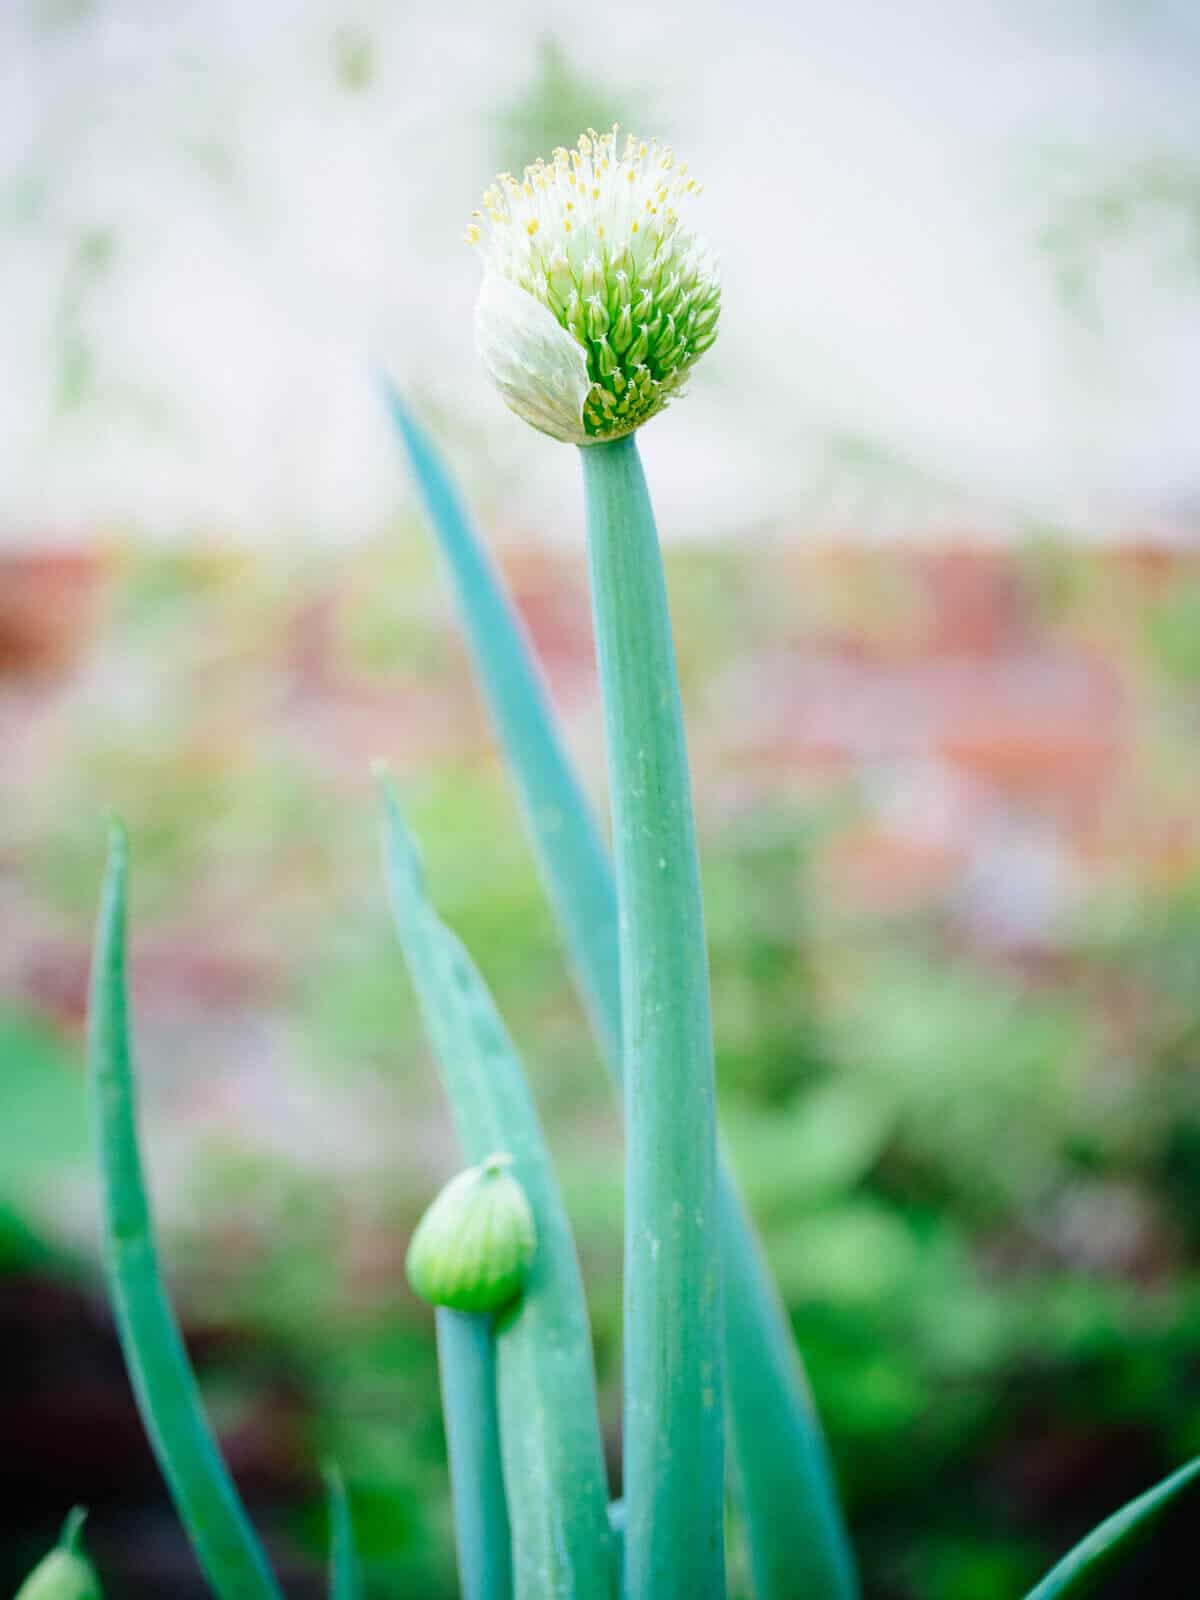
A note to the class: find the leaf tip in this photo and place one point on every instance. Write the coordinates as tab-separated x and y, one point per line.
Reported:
394	399
72	1530
118	836
385	778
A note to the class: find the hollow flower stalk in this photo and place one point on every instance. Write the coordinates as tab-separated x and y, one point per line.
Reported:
596	302
597	298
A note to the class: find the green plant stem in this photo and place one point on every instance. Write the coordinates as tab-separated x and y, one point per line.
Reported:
467	1364
553	1456
225	1544
673	1419
786	1490
345	1571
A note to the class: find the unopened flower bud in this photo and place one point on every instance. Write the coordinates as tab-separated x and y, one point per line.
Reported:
65	1574
473	1248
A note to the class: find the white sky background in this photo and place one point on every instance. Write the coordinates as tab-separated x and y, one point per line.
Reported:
895	352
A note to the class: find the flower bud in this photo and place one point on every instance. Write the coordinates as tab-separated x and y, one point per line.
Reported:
584	244
65	1574
473	1248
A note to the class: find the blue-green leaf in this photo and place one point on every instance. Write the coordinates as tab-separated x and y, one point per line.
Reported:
570	851
345	1571
225	1544
1099	1556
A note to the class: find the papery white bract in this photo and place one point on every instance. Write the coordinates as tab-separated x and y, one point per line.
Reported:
596	300
537	366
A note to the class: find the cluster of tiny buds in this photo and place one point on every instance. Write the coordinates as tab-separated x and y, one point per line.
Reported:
596	238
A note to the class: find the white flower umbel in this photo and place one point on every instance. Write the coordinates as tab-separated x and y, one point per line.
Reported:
596	299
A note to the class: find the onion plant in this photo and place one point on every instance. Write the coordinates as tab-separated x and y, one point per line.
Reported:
597	299
596	302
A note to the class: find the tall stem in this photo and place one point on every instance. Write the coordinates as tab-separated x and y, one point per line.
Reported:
674	1434
467	1364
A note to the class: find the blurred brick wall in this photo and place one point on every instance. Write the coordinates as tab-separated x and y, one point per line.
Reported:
1003	728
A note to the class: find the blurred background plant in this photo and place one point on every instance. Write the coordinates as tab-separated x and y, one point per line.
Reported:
947	783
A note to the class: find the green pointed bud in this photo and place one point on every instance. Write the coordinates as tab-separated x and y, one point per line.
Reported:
622	334
705	322
606	361
559	274
65	1574
473	1248
593	277
596	318
665	340
636	353
575	322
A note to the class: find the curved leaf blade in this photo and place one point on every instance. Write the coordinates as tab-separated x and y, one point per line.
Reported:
345	1571
346	1578
569	849
226	1545
1098	1556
